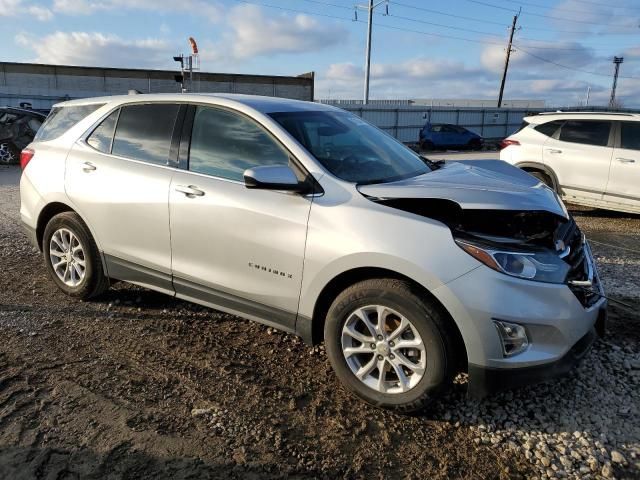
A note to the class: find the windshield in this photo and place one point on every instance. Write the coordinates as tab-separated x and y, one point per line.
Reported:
350	148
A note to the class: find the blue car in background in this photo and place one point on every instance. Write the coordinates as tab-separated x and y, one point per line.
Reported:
444	135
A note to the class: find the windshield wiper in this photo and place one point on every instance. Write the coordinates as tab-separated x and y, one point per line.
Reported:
433	164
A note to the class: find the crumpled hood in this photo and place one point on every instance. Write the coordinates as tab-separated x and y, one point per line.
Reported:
475	184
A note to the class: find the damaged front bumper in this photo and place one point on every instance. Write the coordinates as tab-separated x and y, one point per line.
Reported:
485	381
560	326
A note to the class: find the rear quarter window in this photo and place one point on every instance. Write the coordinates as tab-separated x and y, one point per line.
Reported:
630	135
550	128
62	119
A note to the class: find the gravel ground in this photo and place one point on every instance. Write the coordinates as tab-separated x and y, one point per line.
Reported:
139	385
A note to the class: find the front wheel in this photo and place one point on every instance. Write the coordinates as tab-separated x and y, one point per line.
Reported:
388	344
543	177
72	257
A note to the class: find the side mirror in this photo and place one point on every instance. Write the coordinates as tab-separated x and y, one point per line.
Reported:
274	177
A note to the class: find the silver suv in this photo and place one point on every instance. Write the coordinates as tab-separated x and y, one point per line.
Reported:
308	219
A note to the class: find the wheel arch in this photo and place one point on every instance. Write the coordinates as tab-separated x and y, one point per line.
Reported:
536	166
52	209
332	289
46	214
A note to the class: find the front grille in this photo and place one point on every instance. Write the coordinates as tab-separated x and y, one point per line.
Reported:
570	234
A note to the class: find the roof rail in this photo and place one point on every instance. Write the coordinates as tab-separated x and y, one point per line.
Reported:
560	112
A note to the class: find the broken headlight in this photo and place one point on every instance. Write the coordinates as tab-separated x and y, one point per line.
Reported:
541	266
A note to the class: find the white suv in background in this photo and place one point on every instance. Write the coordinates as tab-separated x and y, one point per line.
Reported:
590	159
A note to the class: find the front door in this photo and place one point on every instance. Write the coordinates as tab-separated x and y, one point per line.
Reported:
624	178
237	249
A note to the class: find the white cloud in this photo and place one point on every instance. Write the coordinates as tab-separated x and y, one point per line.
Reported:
211	10
524	62
41	13
9	8
96	49
14	8
414	78
253	33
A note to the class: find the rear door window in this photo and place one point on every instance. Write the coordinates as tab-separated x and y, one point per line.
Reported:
62	119
586	132
144	132
630	135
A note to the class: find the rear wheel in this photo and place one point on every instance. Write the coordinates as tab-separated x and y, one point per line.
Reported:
9	154
72	257
388	344
475	144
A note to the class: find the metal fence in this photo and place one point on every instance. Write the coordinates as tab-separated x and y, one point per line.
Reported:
404	122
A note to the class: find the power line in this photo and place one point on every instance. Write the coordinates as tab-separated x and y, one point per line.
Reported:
607	5
438	12
328	4
415	20
560	9
439	35
392	27
419	32
562	19
520	49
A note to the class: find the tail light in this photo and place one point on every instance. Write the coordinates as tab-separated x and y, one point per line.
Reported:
25	157
507	142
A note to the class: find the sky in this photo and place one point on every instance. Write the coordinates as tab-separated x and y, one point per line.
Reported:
420	49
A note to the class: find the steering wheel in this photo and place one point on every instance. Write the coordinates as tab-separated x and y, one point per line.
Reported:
347	164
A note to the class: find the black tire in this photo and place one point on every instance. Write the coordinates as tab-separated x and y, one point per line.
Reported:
94	282
543	177
9	153
475	145
430	323
427	146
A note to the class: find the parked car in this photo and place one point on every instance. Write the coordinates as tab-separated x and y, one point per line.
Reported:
306	218
590	159
17	129
444	135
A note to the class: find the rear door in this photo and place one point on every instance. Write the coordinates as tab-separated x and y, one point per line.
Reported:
580	154
624	178
119	179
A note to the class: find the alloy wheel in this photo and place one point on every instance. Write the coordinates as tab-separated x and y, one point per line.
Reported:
66	254
6	155
383	349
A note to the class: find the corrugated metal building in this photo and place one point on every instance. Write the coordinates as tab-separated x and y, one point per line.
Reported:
43	85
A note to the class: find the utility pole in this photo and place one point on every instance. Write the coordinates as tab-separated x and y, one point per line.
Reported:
586	104
506	62
367	62
616	61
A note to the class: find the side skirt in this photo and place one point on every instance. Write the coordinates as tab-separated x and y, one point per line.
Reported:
235	305
130	272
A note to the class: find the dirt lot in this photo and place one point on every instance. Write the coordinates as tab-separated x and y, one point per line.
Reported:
139	385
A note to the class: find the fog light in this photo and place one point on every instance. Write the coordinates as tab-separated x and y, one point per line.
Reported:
513	337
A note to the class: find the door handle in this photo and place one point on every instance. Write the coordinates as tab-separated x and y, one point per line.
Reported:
189	190
88	167
554	150
625	160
